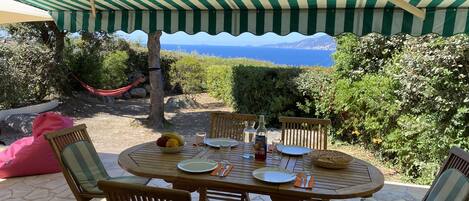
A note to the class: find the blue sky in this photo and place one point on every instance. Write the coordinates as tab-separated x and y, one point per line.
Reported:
220	39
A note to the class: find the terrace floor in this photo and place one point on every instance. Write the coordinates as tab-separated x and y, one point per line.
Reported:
117	127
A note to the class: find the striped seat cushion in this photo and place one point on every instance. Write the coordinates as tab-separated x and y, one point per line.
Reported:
451	185
84	164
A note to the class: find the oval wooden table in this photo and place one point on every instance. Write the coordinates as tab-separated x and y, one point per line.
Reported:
360	179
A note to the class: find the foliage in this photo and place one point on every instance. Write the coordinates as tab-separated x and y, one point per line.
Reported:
113	69
25	71
316	87
188	74
220	83
405	97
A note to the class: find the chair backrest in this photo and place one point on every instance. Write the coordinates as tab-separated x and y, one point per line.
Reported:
229	125
116	191
458	159
306	132
62	142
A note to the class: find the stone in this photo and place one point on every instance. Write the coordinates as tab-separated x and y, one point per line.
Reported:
148	88
135	76
138	92
181	102
21	123
126	95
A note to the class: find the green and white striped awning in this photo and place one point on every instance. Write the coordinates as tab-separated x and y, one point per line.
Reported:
445	17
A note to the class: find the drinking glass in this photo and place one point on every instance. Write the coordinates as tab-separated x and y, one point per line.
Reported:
225	152
199	141
275	152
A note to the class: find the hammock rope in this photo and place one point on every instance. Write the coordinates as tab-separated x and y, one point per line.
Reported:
109	92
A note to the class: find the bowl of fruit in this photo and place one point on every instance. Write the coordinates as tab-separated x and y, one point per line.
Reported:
170	142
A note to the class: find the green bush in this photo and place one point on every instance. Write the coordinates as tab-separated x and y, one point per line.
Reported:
220	83
188	74
113	70
405	97
26	74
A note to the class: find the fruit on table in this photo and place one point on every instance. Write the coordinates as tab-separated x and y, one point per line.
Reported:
172	143
174	135
170	139
162	141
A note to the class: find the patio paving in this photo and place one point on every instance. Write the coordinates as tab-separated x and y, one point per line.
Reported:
53	187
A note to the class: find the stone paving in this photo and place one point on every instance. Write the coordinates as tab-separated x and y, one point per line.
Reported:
53	187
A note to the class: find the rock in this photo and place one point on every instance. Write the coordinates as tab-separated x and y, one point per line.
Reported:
135	75
126	95
148	88
138	92
21	122
181	102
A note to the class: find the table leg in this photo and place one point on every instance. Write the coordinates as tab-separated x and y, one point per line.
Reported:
283	198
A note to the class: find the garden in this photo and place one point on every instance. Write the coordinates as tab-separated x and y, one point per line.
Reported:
403	98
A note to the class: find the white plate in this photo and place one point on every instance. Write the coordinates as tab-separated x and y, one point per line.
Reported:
216	142
293	150
197	165
273	175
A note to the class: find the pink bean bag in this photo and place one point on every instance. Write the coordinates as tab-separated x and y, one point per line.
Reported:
33	155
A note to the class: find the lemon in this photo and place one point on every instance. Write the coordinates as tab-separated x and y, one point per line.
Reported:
172	143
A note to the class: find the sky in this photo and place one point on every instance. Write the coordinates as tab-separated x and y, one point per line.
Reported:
245	39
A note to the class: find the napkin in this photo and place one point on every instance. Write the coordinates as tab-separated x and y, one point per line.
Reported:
216	170
301	179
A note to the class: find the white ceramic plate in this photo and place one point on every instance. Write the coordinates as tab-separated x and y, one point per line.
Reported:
197	165
216	142
273	175
293	150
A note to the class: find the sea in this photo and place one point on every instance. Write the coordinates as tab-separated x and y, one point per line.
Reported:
281	56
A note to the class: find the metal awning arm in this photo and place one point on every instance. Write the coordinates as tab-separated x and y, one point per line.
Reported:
93	8
409	8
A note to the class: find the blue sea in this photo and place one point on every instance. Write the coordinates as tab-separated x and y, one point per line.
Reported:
282	56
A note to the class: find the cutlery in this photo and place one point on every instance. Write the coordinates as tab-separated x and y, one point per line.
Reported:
221	170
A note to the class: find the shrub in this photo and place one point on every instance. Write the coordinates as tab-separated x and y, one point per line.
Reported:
220	83
366	109
188	74
316	88
113	70
26	74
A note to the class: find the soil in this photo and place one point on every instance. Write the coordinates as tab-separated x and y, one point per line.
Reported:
120	124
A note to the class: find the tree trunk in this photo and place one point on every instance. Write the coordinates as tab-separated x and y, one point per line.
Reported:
156	81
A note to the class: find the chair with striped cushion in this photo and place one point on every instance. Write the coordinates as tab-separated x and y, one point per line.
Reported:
80	163
451	185
452	181
117	191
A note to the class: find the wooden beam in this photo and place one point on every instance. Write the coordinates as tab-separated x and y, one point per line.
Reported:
93	8
409	8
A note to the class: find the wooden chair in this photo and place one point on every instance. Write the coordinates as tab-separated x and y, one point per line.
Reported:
116	191
457	159
306	132
80	163
229	125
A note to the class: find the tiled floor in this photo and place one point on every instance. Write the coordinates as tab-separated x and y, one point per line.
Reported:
53	187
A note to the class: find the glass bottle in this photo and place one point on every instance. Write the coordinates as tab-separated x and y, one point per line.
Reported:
260	145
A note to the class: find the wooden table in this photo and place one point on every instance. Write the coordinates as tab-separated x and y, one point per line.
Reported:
361	179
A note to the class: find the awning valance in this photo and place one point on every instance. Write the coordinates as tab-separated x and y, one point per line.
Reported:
445	17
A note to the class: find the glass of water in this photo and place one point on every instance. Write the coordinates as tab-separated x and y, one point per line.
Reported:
225	152
275	153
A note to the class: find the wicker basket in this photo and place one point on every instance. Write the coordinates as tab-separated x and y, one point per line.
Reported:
330	159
